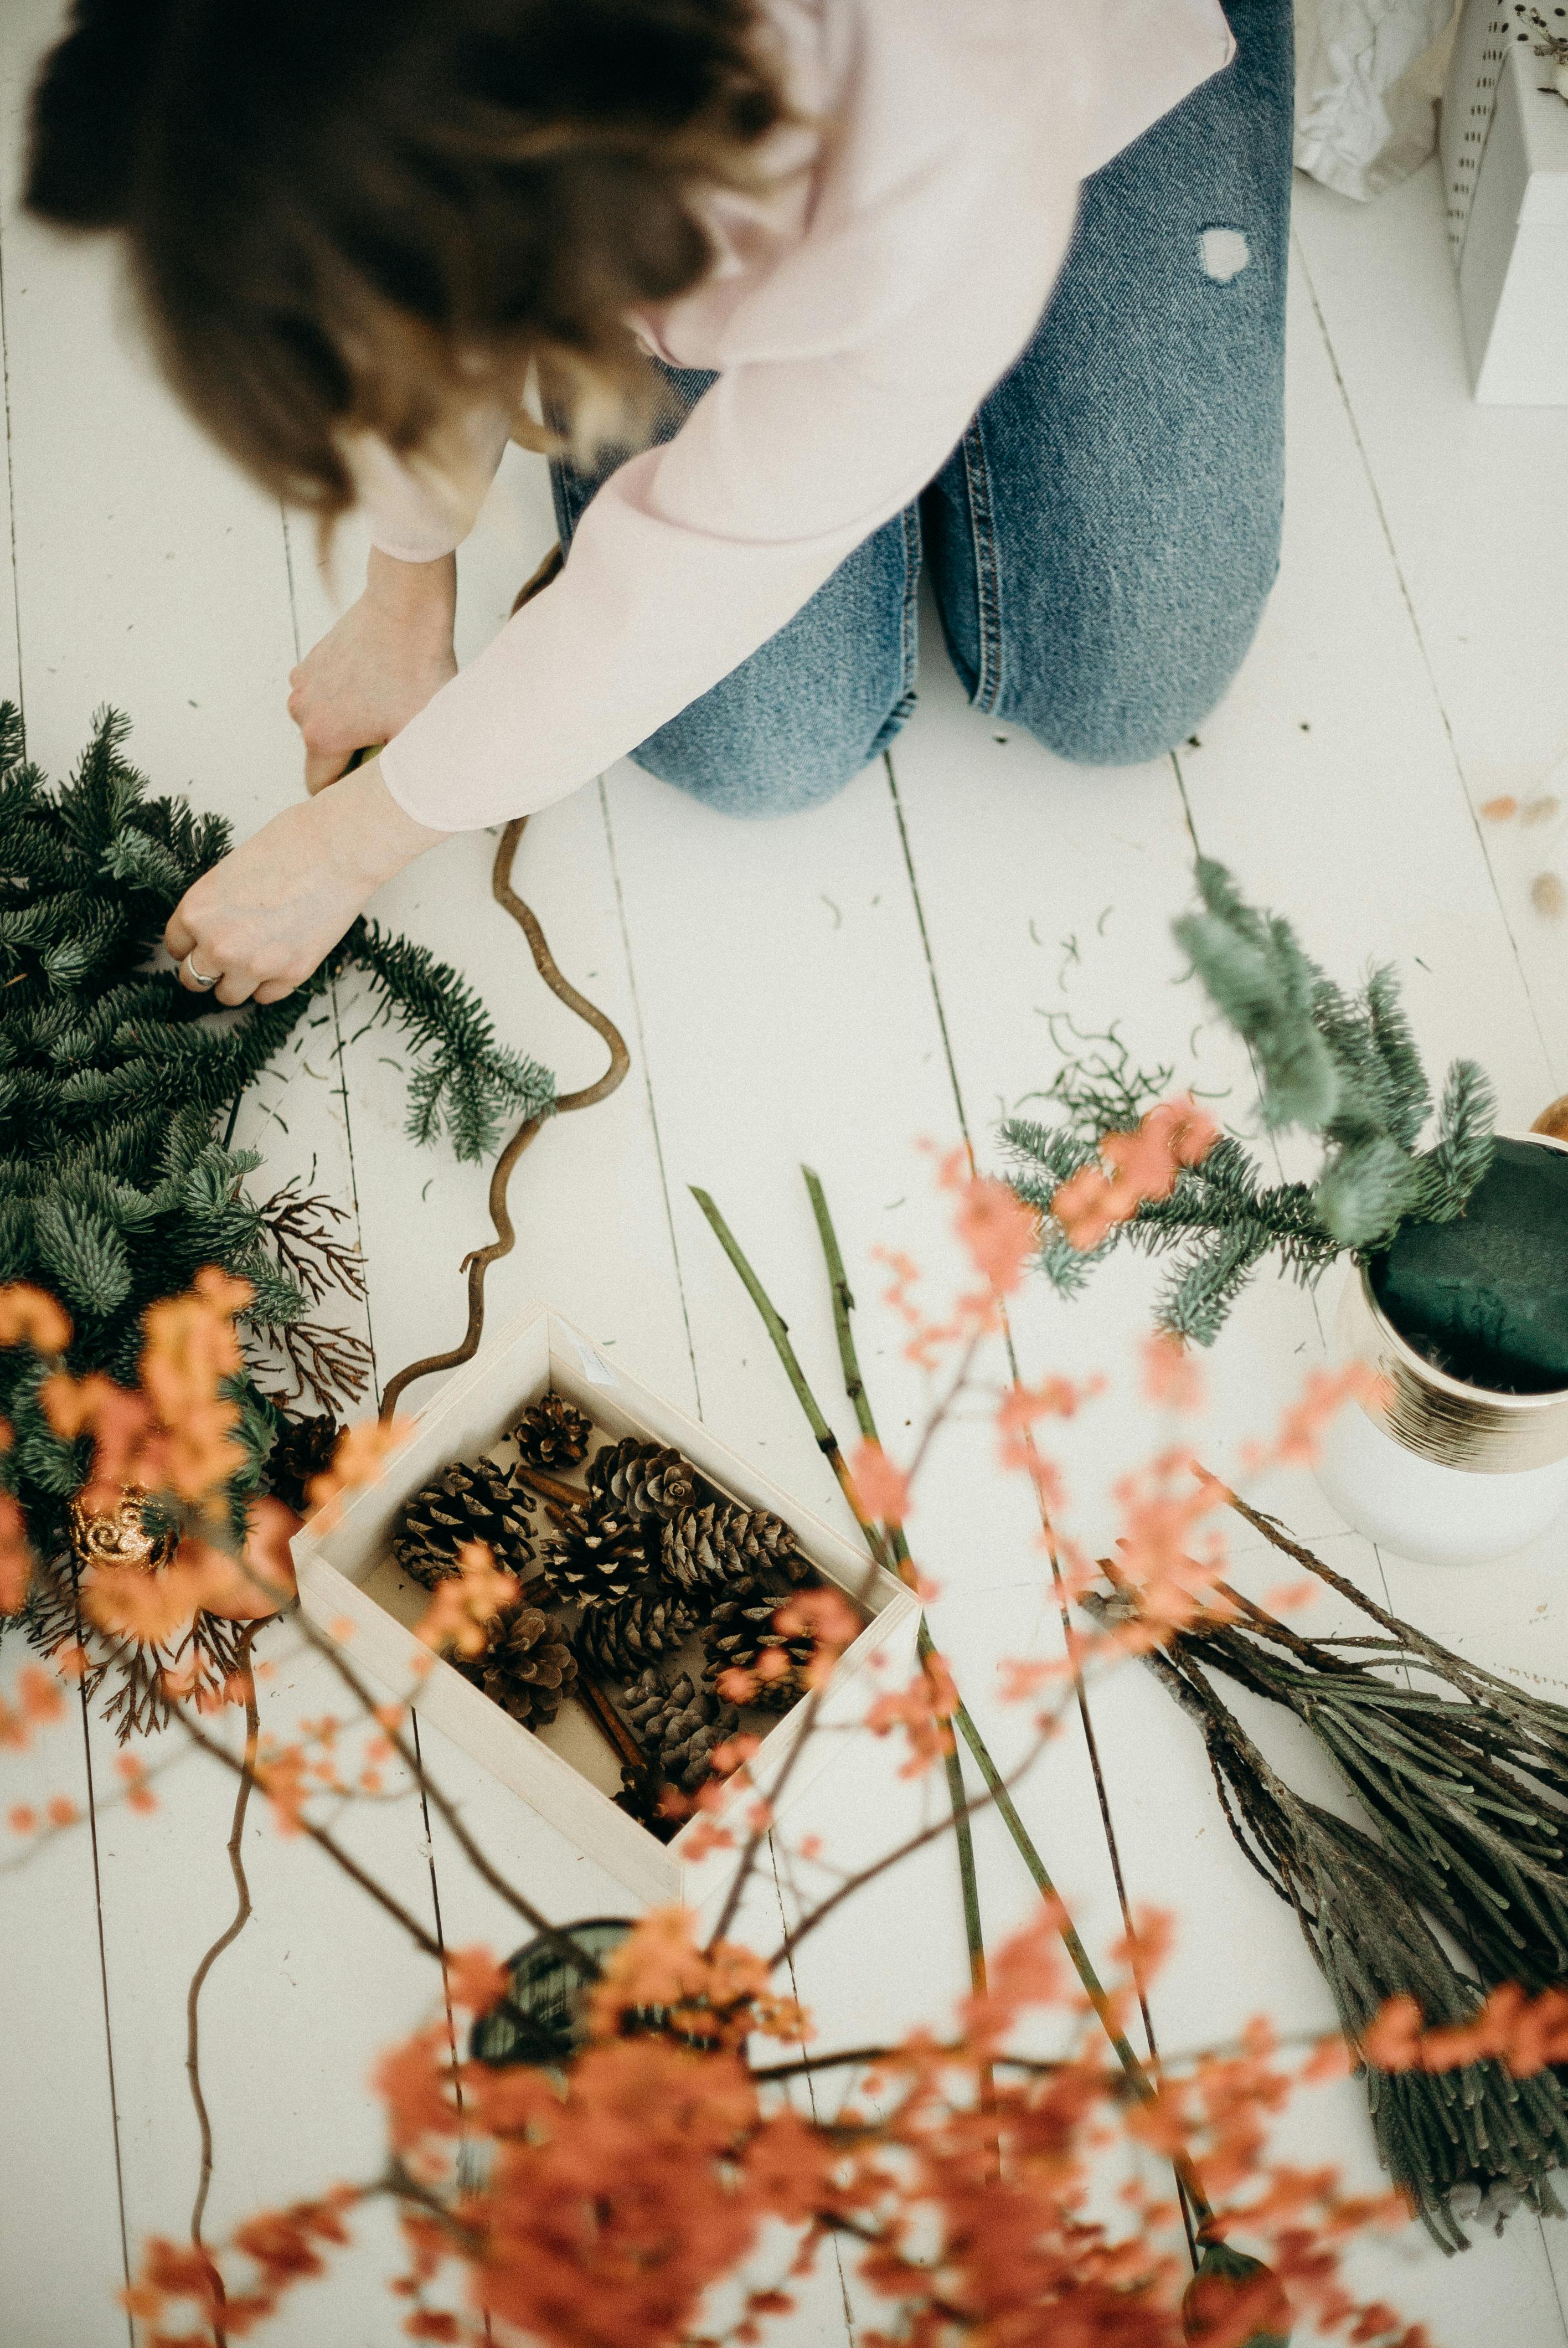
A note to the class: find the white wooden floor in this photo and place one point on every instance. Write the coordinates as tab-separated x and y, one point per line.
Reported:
836	988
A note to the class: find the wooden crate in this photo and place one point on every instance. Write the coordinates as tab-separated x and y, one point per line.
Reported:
354	1592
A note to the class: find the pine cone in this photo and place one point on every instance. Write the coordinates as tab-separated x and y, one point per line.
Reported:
640	1480
596	1556
678	1725
616	1641
740	1633
710	1547
302	1450
553	1434
469	1501
526	1668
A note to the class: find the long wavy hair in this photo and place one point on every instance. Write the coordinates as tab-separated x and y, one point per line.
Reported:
352	216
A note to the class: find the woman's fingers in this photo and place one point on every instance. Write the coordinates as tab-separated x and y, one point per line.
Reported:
235	986
179	937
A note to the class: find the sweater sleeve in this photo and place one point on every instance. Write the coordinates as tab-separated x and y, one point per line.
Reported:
415	515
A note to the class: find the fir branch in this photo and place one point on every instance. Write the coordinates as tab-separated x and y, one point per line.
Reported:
1262	984
1344	1067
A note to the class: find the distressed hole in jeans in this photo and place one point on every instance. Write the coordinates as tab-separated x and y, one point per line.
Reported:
1225	253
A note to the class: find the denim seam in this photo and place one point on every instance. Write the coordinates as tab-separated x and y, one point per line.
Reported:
909	635
988	583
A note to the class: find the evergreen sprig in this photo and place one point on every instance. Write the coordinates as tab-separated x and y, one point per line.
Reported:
1342	1067
117	1083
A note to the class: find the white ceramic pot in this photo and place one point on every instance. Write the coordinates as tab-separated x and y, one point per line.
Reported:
1434	1468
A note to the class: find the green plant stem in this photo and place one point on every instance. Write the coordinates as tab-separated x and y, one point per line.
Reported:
1083	1964
778	1330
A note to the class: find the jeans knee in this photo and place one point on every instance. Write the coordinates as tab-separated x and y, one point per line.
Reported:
1121	702
757	784
1112	734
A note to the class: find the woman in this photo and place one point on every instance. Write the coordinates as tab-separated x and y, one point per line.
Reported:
800	293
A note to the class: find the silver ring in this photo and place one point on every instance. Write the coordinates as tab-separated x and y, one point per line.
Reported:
199	977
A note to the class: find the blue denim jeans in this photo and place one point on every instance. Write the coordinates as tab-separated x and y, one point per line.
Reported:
1102	542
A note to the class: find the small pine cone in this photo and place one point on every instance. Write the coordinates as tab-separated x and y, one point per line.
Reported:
617	1642
469	1501
710	1547
678	1724
526	1668
553	1434
596	1556
740	1635
640	1479
303	1451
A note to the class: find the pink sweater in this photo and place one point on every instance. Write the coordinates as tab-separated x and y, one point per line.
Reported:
856	317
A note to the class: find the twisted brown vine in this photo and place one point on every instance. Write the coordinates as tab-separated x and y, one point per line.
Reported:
230	1933
477	1263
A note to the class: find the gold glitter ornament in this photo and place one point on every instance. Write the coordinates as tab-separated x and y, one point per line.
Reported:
118	1535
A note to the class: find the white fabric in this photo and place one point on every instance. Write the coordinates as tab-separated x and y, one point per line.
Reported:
1368	73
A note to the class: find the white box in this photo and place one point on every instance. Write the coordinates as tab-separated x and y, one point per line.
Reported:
354	1593
1504	143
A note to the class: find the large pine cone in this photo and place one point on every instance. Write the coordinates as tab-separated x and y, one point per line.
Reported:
712	1548
617	1642
678	1724
554	1433
526	1668
640	1479
469	1501
741	1636
596	1556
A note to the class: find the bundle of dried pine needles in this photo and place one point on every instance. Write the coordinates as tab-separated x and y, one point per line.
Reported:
1463	1778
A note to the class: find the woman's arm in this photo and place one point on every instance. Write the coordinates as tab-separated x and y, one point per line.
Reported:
261	921
389	654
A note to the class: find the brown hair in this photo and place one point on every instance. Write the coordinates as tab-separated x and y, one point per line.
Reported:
349	215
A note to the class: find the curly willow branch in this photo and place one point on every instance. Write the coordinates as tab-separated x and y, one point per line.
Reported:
242	1912
478	1261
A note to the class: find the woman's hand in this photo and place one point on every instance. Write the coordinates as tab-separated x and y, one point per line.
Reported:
385	659
260	922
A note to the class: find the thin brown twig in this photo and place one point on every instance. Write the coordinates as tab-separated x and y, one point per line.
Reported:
318	1836
447	1810
226	1939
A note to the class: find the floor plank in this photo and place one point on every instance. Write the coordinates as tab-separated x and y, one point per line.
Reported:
1474	503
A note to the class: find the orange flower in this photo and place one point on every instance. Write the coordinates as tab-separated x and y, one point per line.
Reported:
1130	1168
475	1981
999	1232
31	1316
1525	2033
362	1453
1172	1377
129	1603
16	1555
466	1603
883	1487
42	1700
924	1709
138	1793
